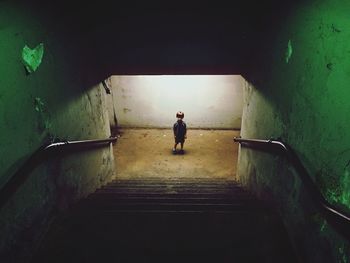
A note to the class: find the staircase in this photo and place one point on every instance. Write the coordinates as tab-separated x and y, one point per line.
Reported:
167	220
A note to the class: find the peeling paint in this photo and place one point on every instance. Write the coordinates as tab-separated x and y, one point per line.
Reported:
343	256
44	120
289	51
31	58
323	226
335	29
330	66
38	105
345	187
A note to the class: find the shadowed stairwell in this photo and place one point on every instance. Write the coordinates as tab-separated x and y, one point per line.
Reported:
169	219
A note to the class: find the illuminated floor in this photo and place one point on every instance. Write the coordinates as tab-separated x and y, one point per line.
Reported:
147	153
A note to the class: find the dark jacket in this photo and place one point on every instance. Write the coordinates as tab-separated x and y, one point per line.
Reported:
180	130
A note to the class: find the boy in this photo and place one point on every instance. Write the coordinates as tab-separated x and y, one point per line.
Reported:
180	131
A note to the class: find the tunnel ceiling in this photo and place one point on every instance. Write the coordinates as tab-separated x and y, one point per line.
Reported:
168	38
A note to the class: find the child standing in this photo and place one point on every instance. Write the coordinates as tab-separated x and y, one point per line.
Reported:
180	131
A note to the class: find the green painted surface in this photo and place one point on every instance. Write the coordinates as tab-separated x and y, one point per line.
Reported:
304	99
53	102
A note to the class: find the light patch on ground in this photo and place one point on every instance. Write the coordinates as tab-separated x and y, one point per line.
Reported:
147	153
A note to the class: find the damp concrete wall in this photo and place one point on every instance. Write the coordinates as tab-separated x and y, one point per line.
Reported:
300	94
51	103
211	102
111	106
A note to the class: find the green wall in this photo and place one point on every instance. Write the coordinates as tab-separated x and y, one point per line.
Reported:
301	94
57	101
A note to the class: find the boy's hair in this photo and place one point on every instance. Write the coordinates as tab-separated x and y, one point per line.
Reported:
180	114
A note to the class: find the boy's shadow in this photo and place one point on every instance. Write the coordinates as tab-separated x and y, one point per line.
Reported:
179	152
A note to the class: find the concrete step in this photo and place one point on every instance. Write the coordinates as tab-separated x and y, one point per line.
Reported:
149	237
151	201
160	198
172	220
173	206
172	182
175	185
168	191
174	179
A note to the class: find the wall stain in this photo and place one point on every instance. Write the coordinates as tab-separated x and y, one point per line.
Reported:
126	110
330	66
335	29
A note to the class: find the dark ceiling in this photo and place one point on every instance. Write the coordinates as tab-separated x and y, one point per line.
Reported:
171	37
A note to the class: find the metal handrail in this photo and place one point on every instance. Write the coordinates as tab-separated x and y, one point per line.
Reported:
41	154
339	219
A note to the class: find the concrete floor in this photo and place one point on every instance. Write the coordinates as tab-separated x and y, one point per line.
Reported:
147	153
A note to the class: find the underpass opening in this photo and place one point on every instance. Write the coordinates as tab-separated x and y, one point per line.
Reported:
142	110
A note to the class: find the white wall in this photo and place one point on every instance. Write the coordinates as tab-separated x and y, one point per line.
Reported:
152	101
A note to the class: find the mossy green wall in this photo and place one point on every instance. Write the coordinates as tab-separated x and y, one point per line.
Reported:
52	102
302	95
